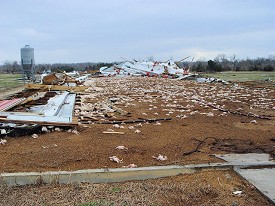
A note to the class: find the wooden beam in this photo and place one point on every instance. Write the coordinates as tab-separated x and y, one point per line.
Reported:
56	87
135	121
5	114
107	132
73	123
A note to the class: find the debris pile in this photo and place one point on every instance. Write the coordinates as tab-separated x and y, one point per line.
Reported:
63	78
165	69
49	104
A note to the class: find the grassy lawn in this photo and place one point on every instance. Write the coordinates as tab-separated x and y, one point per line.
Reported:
9	81
243	76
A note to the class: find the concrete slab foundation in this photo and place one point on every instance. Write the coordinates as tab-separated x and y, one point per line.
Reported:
263	179
246	160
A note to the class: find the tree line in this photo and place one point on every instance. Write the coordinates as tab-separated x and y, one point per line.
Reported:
15	67
224	63
219	64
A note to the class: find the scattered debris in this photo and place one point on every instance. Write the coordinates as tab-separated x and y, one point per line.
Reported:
3	141
138	125
210	80
253	121
116	126
49	146
44	129
135	121
130	166
121	148
115	159
160	157
75	132
3	131
238	192
107	132
57	129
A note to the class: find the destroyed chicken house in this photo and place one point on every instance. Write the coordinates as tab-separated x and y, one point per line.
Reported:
148	68
56	101
62	99
152	117
51	104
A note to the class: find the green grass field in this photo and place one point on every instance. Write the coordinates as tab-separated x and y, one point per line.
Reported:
242	76
9	81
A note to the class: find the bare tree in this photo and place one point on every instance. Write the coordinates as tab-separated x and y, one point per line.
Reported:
10	67
234	62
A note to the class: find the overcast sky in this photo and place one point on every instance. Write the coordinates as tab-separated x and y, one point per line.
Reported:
71	31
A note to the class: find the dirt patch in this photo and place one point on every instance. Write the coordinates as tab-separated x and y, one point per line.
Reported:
232	146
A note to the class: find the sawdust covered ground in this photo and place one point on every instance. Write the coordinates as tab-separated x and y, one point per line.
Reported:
203	188
193	120
197	131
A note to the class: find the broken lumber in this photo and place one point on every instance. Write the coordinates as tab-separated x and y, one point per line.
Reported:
107	132
135	121
232	112
74	122
239	113
56	87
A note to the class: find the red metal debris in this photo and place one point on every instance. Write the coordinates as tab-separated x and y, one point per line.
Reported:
7	104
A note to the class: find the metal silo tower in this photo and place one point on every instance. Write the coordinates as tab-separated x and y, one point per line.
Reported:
27	61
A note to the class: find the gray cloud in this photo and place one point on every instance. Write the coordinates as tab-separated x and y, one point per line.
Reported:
90	30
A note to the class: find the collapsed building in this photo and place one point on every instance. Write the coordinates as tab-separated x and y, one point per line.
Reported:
49	104
146	68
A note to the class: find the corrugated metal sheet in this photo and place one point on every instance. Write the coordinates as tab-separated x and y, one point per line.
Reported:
8	104
58	109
